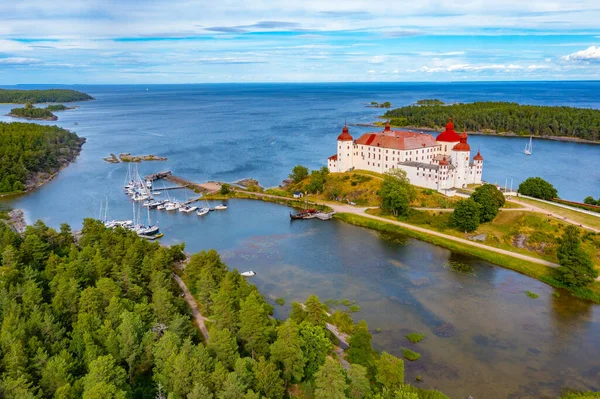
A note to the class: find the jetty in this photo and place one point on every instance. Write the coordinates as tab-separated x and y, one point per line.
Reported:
205	188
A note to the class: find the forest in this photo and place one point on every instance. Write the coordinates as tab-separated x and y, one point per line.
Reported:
97	314
502	117
42	96
28	149
33	113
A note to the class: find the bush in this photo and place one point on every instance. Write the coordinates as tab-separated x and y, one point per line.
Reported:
280	301
225	189
590	201
532	295
465	216
410	355
354	309
299	173
538	188
415	337
576	266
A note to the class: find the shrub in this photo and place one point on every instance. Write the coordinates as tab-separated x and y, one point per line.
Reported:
532	295
225	189
465	216
410	355
538	188
280	301
354	309
415	337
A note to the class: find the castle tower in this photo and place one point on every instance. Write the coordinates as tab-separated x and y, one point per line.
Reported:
477	168
345	150
448	138
461	154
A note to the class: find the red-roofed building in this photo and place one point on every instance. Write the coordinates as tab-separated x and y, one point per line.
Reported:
441	163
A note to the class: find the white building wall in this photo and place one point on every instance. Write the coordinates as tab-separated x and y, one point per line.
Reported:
345	159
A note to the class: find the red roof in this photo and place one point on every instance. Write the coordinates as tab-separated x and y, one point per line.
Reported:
463	145
449	135
387	127
345	136
478	157
443	161
333	157
397	139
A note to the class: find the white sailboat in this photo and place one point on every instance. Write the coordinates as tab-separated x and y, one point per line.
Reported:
529	147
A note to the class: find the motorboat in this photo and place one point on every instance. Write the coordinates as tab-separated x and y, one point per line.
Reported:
147	230
249	273
187	208
172	206
202	211
220	207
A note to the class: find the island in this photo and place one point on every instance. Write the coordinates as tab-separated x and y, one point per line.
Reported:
127	157
33	113
10	96
502	118
375	104
32	154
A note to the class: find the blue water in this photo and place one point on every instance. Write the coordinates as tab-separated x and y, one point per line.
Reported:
503	344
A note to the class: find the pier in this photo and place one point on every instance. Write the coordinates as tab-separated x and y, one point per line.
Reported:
205	188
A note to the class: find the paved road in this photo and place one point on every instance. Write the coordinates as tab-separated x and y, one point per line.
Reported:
198	318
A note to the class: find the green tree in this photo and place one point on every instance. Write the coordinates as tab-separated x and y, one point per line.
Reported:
396	192
590	201
267	379
316	183
130	338
105	377
315	311
222	343
255	327
538	188
299	173
465	216
330	381
390	372
225	189
576	266
359	386
315	347
287	351
490	200
298	314
361	349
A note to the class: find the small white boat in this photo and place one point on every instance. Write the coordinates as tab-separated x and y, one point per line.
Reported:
529	147
172	206
146	230
249	273
155	192
202	211
162	207
220	207
188	209
149	184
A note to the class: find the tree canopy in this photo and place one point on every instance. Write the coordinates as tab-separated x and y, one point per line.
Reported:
33	113
42	96
27	149
583	123
538	188
100	317
299	173
396	192
576	266
466	215
490	200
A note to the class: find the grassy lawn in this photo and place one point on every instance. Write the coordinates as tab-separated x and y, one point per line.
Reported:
512	205
578	217
526	233
543	273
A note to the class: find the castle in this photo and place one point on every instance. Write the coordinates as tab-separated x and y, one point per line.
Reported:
442	164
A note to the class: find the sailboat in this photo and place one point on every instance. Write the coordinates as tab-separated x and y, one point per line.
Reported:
203	211
529	147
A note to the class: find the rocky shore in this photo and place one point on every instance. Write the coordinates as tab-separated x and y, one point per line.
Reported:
16	220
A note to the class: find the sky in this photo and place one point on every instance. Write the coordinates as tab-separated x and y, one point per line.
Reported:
196	41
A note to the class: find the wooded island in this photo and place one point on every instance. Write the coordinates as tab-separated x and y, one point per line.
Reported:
42	96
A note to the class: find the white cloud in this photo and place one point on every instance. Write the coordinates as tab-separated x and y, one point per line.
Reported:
378	59
468	68
535	67
19	61
590	54
371	71
434	54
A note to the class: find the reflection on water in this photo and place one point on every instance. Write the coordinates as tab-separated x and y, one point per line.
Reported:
484	336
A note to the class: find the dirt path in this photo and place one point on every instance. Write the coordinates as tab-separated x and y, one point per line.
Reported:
198	318
533	208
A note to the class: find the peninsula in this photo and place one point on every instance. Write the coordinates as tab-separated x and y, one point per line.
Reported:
32	154
42	96
502	118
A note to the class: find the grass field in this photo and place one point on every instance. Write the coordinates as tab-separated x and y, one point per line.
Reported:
578	217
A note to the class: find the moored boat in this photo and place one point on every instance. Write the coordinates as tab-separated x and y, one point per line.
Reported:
249	273
220	207
187	209
202	211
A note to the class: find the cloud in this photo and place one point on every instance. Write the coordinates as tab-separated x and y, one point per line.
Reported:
401	33
434	54
468	68
535	67
19	61
590	54
262	25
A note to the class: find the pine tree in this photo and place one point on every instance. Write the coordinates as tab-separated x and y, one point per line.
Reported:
287	351
255	327
359	386
267	379
330	381
315	347
390	372
576	266
361	349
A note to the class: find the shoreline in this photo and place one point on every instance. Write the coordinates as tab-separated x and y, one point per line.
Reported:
491	134
52	176
53	119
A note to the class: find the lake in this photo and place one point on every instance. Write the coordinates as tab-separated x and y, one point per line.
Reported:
484	336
